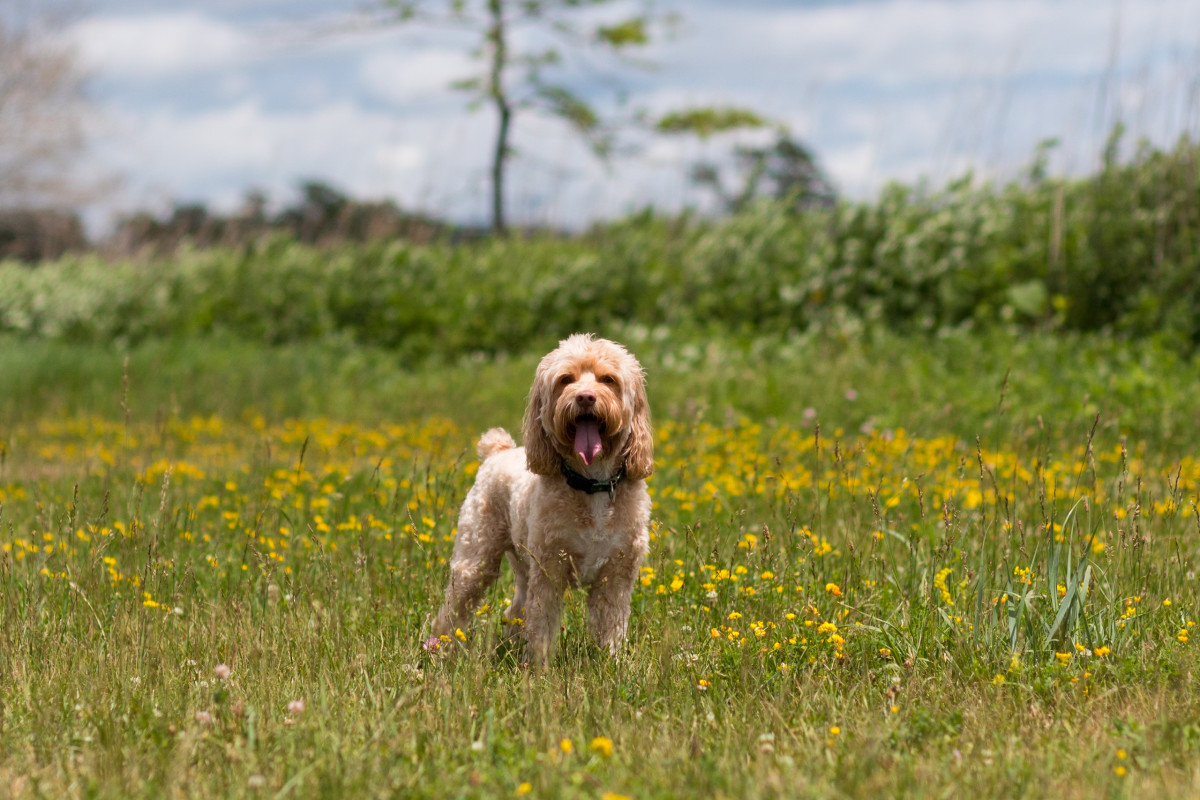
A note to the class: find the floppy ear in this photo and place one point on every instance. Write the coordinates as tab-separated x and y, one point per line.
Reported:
639	450
540	456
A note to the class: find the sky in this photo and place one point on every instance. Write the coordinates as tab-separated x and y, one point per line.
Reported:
205	100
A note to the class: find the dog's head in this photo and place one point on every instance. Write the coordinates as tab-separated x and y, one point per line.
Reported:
588	407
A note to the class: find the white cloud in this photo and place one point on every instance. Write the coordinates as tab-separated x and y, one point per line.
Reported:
405	76
154	46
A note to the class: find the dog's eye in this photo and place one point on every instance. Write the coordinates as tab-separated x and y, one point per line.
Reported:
609	379
566	380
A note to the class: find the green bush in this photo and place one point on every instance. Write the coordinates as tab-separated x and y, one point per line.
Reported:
1118	251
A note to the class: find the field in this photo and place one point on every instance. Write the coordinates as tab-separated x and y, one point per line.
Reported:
881	566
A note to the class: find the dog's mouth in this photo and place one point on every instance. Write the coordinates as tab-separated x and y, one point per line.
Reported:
588	430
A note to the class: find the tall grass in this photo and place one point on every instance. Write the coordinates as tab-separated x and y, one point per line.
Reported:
202	599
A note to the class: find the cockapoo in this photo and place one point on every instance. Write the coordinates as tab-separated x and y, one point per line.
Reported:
570	508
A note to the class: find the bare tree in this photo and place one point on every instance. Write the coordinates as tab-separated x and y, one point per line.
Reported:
513	79
42	110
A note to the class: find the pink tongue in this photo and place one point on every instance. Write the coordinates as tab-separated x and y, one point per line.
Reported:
587	440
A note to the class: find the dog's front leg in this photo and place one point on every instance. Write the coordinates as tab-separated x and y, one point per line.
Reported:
543	607
609	599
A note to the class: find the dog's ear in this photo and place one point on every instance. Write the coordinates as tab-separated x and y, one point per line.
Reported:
639	450
540	456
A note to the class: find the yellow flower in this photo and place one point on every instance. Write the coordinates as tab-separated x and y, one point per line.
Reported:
525	788
602	745
1120	770
833	589
462	637
1102	651
567	747
1063	657
614	796
835	731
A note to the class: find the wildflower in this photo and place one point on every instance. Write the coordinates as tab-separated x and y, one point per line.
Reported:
222	671
256	781
1102	651
296	707
835	731
614	796
431	644
1063	658
703	685
566	746
462	637
204	717
524	788
833	589
602	745
1120	770
999	679
827	627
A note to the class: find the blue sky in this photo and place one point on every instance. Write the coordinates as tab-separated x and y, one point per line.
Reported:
204	100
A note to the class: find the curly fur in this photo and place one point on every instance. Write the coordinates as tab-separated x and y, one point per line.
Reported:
554	536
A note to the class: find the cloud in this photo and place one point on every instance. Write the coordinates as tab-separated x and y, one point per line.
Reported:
409	75
884	89
160	45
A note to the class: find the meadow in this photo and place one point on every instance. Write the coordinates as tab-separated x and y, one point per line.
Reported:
881	565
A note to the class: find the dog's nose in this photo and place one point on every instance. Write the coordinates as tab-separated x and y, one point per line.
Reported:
585	399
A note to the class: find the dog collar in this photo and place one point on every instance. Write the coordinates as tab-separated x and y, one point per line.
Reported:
583	483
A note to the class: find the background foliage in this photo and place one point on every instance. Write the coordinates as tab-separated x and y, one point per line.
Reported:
1117	251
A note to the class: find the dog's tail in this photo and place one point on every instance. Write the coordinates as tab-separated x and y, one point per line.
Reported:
494	441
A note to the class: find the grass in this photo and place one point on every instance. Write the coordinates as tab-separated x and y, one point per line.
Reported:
879	566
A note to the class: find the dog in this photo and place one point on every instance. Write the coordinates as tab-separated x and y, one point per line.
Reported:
569	509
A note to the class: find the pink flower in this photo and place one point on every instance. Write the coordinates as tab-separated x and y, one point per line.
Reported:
296	707
204	718
432	644
222	671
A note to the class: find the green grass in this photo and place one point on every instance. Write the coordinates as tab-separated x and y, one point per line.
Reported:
300	537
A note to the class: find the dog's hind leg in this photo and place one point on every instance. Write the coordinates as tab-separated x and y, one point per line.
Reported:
474	567
515	615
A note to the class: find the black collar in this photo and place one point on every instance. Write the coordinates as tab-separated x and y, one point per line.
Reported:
583	483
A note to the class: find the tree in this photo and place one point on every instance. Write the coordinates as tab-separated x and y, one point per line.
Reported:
513	80
785	169
42	111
